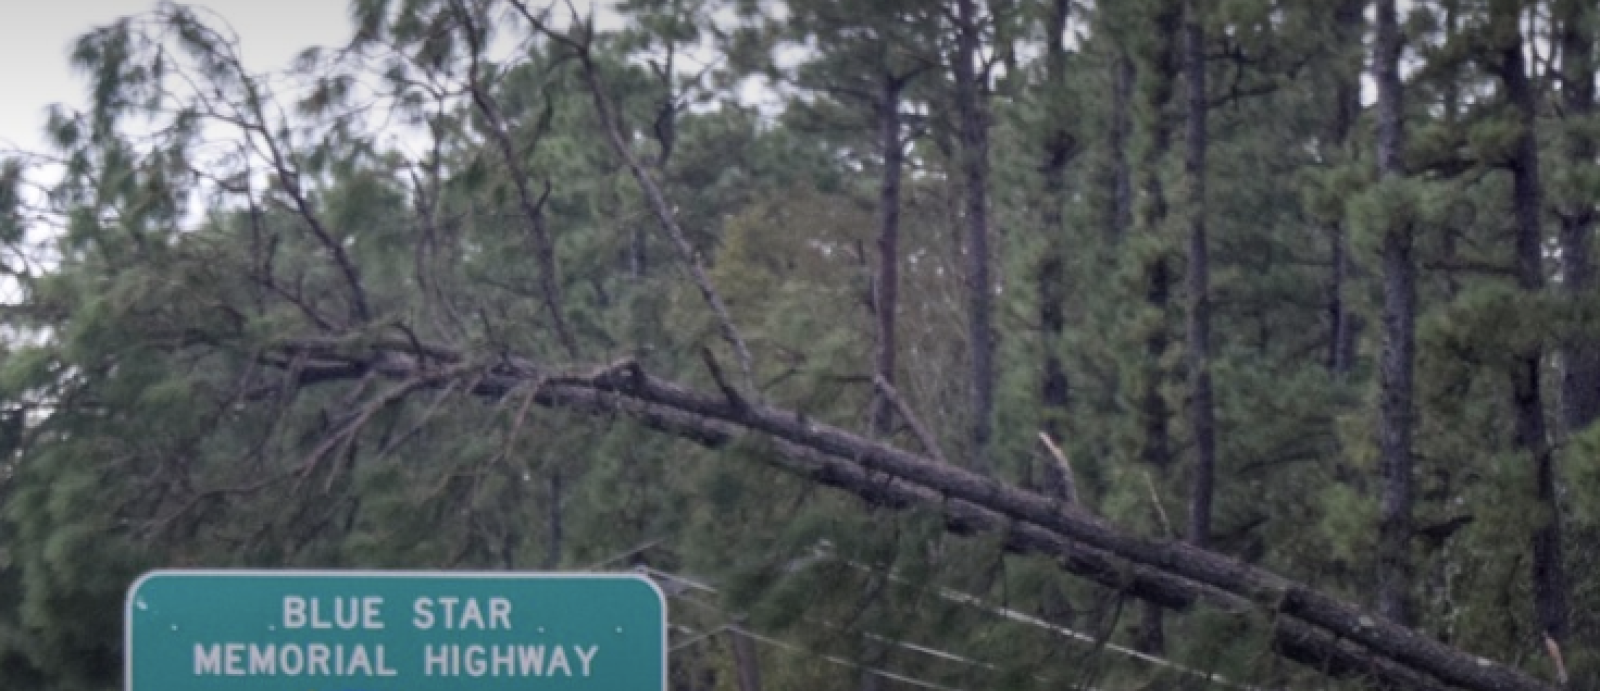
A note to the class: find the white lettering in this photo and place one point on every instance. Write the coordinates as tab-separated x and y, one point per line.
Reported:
471	616
558	658
532	657
317	659
476	660
586	658
436	660
358	661
371	607
384	670
263	660
207	659
234	663
423	610
476	665
292	665
317	622
294	612
449	610
499	613
504	657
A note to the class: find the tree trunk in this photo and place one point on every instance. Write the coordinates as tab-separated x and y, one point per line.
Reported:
1346	108
1549	574
747	664
1580	359
1054	386
1202	410
1155	415
1396	408
886	296
974	125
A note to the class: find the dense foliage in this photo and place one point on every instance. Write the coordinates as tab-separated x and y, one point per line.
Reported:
1307	284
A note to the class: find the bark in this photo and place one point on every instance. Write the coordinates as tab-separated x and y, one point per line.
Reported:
1202	412
1347	107
1580	372
1155	415
973	119
1396	407
886	297
1549	574
1310	625
747	665
1054	386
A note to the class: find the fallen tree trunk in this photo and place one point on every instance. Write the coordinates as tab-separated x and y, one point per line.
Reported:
1309	626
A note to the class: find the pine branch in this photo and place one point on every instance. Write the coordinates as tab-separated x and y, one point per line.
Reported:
658	202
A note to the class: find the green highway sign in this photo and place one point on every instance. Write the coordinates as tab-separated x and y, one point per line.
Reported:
394	631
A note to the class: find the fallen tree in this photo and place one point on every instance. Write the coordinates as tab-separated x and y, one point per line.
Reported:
1308	626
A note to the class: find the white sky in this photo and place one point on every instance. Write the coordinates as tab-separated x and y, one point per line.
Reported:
34	48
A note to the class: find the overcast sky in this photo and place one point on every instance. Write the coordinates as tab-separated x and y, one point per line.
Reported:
34	45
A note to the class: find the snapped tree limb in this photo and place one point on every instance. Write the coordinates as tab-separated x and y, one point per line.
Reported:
1308	626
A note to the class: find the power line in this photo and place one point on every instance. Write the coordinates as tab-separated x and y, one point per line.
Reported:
680	585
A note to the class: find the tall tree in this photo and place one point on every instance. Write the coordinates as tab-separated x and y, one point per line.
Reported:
1059	146
1197	283
1580	359
972	123
1347	26
1396	408
890	40
1157	72
1527	202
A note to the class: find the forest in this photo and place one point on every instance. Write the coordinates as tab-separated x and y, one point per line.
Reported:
906	344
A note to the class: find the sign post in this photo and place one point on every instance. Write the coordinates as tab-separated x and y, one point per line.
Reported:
394	631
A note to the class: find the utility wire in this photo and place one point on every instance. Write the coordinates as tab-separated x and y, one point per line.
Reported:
1031	620
684	584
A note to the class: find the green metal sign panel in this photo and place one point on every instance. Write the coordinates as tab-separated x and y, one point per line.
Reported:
394	631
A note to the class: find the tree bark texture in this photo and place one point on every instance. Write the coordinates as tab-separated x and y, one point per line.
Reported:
974	152
886	297
1346	108
1202	406
1396	375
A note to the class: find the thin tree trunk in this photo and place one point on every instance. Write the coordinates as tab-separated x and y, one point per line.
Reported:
1549	574
1121	182
1155	415
747	664
1347	107
1202	407
1396	413
886	296
1580	372
1054	386
975	177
